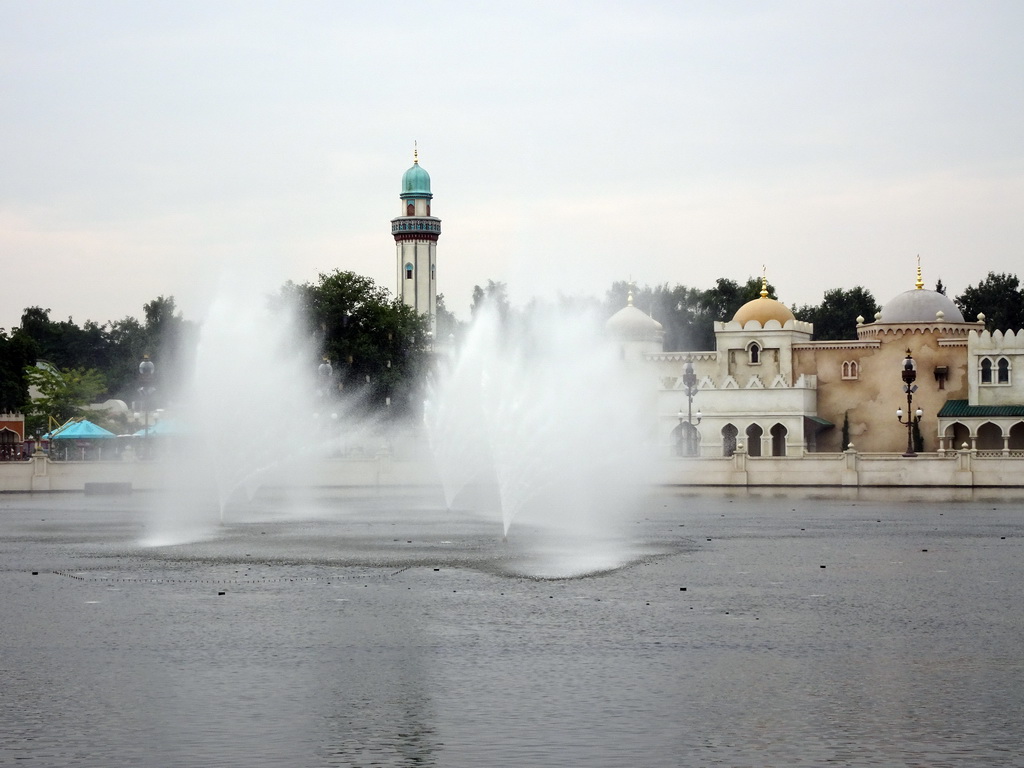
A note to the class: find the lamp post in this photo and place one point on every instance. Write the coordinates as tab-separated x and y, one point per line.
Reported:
324	371
908	369
688	428
146	388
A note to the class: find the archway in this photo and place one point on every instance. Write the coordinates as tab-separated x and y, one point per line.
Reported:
990	437
779	433
956	435
754	433
1017	436
729	433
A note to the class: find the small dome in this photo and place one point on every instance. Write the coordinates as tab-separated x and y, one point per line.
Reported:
763	309
920	306
416	181
632	323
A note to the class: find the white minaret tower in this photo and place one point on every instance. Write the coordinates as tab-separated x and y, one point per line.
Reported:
416	233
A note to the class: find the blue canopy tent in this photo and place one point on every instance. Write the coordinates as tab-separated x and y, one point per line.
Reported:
83	432
79	430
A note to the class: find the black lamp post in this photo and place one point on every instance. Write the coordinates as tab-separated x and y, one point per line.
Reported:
909	371
688	428
146	389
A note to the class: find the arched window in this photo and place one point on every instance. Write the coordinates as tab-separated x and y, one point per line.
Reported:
1003	372
754	433
850	369
754	352
779	433
729	433
986	371
410	209
408	271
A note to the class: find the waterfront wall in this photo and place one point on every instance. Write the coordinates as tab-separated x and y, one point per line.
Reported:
966	469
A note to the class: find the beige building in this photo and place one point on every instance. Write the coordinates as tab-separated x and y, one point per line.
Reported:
771	388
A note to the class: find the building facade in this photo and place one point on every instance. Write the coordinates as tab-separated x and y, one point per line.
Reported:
773	390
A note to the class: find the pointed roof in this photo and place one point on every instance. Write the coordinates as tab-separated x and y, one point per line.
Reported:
79	430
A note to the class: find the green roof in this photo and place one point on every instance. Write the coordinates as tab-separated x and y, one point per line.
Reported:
957	408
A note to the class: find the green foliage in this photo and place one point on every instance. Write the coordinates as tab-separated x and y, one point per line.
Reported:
60	394
999	297
688	315
836	317
495	294
377	345
17	352
115	348
448	326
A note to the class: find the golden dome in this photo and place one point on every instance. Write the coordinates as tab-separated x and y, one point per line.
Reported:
763	309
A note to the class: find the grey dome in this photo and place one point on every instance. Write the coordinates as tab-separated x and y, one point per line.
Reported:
631	323
920	306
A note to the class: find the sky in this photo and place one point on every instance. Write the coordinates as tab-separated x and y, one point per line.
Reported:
165	149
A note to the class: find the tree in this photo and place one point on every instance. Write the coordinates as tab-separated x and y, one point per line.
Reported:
495	293
448	326
17	352
679	309
377	344
836	317
62	395
999	297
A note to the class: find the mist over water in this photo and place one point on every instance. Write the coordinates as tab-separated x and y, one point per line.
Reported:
539	427
544	427
247	413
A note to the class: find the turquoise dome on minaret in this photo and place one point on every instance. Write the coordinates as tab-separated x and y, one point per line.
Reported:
416	181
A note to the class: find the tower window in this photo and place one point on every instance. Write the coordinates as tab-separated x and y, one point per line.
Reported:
410	209
986	371
1003	374
432	271
408	271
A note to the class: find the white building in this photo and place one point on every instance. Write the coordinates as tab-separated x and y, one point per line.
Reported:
416	232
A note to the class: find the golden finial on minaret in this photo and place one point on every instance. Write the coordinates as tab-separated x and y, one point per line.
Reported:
415	153
764	282
920	281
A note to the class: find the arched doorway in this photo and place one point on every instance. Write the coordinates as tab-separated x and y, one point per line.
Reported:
1017	436
990	437
754	433
779	433
729	433
956	435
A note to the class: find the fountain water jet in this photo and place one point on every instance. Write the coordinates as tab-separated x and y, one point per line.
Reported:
550	418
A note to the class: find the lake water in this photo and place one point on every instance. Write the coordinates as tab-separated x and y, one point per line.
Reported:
743	630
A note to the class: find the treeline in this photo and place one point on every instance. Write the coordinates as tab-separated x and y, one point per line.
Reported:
379	345
688	314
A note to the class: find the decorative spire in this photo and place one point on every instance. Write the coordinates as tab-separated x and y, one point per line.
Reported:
629	297
415	153
764	287
920	282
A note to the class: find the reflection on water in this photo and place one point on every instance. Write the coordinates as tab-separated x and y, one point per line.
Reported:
745	629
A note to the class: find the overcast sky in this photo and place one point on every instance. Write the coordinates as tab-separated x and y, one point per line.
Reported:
158	148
